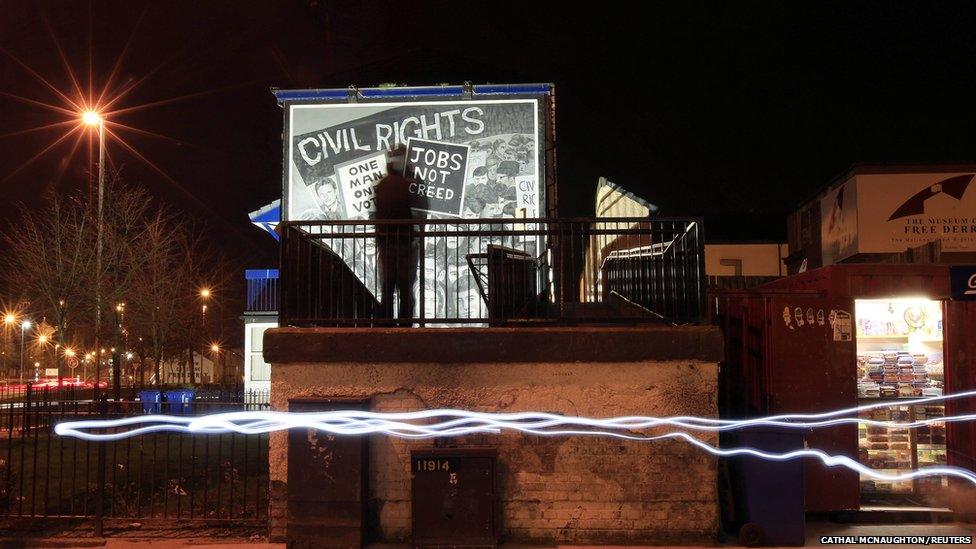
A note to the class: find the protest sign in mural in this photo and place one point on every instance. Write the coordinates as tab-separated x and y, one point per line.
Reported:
357	178
437	171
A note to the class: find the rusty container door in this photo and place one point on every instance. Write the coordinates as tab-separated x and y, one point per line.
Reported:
326	481
453	497
810	366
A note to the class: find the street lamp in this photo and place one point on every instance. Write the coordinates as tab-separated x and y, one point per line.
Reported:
215	357
92	119
205	296
116	358
24	326
8	320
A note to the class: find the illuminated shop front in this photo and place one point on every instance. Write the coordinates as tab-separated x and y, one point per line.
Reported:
900	356
891	249
891	333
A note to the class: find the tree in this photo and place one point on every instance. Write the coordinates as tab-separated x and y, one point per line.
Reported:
52	262
153	261
164	302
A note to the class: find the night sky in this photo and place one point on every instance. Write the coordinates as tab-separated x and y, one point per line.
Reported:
732	110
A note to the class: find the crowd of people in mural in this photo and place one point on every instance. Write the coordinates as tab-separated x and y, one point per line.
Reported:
493	165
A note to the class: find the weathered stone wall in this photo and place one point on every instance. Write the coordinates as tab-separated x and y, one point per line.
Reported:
551	489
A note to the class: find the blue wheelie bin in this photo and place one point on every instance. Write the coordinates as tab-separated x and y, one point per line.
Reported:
769	500
180	401
150	401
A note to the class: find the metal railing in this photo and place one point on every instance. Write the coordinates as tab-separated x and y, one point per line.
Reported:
221	479
262	291
488	272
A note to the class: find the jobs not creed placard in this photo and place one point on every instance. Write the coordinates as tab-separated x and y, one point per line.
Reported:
436	171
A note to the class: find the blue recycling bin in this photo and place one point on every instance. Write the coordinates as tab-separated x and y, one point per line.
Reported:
770	504
150	401
179	401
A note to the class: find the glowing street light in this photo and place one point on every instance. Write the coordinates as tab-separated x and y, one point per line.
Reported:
215	348
24	326
205	296
91	118
8	320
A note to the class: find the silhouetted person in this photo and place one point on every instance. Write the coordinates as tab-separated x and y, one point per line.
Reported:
395	247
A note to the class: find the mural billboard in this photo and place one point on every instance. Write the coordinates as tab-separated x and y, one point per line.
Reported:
500	141
475	156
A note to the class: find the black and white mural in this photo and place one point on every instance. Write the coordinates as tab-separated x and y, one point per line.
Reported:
336	151
470	159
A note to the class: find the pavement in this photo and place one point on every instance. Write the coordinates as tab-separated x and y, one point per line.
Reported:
815	531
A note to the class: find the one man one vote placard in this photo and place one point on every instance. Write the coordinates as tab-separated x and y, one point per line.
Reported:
357	179
437	172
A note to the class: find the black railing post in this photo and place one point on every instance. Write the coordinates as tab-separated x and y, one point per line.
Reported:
283	275
422	266
101	407
28	396
700	258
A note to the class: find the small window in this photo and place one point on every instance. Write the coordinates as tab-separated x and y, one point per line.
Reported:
257	338
260	370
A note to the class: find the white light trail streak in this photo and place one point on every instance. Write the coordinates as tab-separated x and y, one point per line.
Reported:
442	423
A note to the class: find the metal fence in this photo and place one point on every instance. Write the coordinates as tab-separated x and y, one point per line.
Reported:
170	476
485	272
262	291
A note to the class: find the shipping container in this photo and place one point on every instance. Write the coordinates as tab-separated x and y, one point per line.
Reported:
845	335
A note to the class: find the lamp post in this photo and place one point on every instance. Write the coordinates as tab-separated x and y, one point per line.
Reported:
60	333
92	118
116	351
24	326
8	319
214	357
41	345
205	296
69	356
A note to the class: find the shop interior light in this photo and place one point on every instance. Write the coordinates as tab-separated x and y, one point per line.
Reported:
899	299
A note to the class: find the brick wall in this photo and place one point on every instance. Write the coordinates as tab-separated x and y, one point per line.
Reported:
551	489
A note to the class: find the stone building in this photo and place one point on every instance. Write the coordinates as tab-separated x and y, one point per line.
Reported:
479	304
567	489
